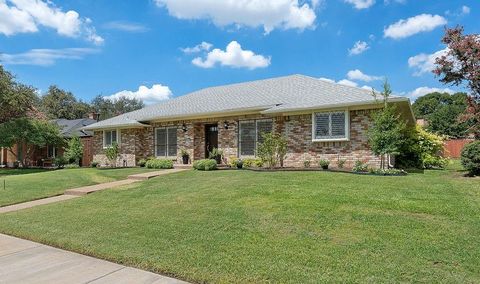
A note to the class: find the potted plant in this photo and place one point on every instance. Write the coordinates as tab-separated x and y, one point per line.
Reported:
324	164
185	156
216	154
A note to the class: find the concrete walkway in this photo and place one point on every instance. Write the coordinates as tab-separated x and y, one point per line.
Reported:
77	192
24	261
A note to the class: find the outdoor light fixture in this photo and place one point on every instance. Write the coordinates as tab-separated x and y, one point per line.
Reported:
184	127
225	124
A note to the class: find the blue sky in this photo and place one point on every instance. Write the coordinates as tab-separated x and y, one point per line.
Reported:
147	48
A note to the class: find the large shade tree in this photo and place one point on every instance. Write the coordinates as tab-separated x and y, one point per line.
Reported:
461	65
107	108
58	103
16	99
442	111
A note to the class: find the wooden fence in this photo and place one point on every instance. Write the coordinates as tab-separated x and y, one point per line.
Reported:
453	148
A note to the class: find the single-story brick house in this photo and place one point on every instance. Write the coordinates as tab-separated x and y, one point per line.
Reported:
319	119
44	156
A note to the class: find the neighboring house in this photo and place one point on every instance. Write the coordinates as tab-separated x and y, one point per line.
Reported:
319	119
44	156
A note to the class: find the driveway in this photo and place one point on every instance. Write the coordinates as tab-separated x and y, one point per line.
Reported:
24	261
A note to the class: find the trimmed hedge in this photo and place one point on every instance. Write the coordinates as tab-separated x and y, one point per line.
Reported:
471	158
159	164
205	165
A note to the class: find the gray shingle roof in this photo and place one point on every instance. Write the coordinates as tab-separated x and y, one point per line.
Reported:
70	128
275	95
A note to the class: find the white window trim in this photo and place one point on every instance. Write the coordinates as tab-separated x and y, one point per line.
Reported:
166	157
256	135
347	127
104	138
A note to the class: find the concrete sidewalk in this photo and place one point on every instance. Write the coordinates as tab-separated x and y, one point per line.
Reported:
24	261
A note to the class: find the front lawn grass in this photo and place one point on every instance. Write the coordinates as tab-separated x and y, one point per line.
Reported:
29	184
296	227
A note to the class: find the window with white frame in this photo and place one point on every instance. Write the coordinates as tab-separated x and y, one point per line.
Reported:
110	137
250	135
166	142
330	126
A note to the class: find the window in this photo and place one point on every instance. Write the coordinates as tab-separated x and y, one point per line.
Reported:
110	137
330	126
51	151
166	142
251	134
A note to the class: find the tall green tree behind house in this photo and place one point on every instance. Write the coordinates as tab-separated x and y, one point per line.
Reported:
58	103
387	134
109	108
16	100
442	111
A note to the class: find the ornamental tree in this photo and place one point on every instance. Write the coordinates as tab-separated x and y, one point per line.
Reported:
386	135
461	65
74	151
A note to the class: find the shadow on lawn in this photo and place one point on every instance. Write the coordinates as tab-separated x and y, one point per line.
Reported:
16	172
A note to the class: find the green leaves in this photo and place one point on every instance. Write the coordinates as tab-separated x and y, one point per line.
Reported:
74	150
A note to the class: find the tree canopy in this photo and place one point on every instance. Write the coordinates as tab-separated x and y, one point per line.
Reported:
16	100
461	65
442	112
109	108
58	103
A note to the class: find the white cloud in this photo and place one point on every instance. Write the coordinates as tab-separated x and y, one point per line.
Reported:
346	82
25	16
269	14
126	27
418	92
358	48
204	46
360	76
233	56
424	63
414	25
155	94
465	10
361	4
44	57
387	2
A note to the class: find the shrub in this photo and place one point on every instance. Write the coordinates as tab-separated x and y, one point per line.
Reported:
72	166
360	167
306	163
324	164
341	163
112	154
74	150
94	164
250	162
233	162
272	150
142	163
159	164
205	165
60	161
215	154
470	158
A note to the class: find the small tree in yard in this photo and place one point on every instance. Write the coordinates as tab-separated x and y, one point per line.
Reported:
272	150
74	150
112	154
387	132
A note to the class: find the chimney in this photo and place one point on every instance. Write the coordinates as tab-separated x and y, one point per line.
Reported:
94	115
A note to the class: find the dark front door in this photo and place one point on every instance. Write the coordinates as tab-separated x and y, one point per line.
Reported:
211	138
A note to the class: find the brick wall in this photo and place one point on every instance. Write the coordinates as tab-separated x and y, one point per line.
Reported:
139	143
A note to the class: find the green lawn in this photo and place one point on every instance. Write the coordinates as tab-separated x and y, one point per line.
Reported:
30	184
297	227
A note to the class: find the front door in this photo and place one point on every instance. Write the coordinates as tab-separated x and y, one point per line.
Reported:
211	138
